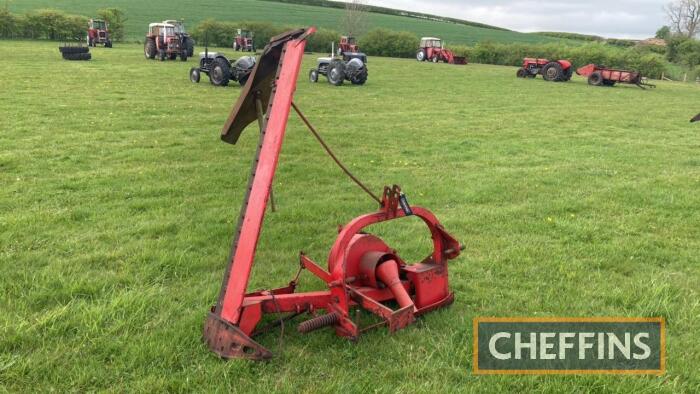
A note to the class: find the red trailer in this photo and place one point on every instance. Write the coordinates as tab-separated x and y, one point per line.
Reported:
604	76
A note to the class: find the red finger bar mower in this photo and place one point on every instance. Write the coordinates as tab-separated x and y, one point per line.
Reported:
363	271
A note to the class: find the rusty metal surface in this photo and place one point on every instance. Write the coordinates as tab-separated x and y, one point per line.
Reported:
228	341
259	85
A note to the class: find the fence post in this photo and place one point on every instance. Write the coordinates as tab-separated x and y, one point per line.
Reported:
685	77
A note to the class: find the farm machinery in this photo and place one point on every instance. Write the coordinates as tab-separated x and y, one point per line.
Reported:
75	51
162	41
351	66
347	44
364	273
604	76
221	70
185	39
432	49
98	33
244	41
553	71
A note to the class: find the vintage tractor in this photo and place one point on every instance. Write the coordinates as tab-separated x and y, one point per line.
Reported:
352	67
364	274
432	49
185	38
604	76
221	70
162	41
553	71
244	41
347	44
98	33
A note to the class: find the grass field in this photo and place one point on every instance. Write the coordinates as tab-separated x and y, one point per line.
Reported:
141	13
119	201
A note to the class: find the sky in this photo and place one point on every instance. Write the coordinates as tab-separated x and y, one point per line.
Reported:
608	18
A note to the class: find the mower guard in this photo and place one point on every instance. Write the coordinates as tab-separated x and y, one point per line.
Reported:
363	272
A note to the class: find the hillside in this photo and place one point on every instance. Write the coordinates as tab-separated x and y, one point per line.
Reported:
140	13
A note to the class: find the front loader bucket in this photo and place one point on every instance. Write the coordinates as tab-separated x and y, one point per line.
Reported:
459	60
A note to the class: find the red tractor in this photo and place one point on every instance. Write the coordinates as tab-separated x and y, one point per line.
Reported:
431	48
244	41
162	41
553	71
347	44
98	33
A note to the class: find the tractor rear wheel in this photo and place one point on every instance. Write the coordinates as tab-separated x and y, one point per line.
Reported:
359	79
336	73
195	75
521	73
149	49
552	72
596	79
420	55
313	75
190	47
243	80
220	73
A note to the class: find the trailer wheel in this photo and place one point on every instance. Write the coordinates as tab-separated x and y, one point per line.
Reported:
313	75
552	72
336	74
521	73
149	49
220	73
420	55
596	79
195	75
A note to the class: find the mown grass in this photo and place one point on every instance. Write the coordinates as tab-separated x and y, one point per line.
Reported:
140	13
118	204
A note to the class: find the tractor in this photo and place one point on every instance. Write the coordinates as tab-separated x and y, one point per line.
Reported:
559	71
185	38
222	70
98	33
244	41
347	44
432	49
162	41
351	66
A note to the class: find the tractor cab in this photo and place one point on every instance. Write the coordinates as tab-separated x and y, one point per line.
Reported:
98	33
430	42
178	25
347	44
244	41
181	33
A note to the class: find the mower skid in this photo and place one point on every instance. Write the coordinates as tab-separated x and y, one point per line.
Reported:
228	341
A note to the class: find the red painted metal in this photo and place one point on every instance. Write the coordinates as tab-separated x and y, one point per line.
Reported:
363	271
605	76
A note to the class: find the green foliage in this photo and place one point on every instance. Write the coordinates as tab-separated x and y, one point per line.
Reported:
663	33
383	42
571	36
42	24
116	20
222	34
689	53
140	13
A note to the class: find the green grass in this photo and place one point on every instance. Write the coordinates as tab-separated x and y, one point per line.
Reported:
119	201
141	13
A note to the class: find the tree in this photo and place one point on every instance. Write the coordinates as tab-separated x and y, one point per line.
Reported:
115	18
684	16
663	33
354	20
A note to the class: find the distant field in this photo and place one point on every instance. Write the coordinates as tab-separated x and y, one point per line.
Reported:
119	202
140	13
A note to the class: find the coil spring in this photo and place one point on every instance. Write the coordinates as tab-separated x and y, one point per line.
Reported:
318	322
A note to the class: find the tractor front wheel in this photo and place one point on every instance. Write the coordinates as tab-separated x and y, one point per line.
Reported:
521	73
596	79
420	55
552	72
183	56
149	49
336	74
195	75
162	55
435	59
313	75
220	73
